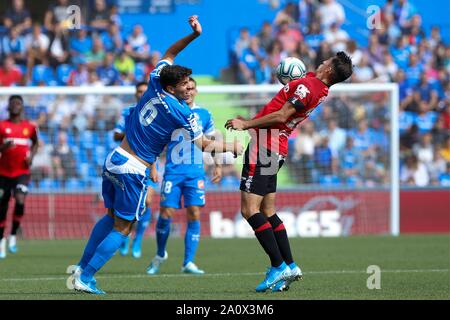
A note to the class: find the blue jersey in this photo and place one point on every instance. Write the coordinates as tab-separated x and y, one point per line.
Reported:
150	125
183	156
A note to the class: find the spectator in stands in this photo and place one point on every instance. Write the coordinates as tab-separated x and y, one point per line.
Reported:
350	161
13	45
112	39
56	16
137	45
386	69
307	55
324	53
99	16
401	52
424	150
107	73
275	55
337	137
336	38
372	173
445	150
426	118
17	16
97	55
314	37
303	156
125	65
414	173
362	137
330	11
403	12
323	159
37	44
59	47
288	37
80	46
426	91
80	75
288	14
241	43
444	178
307	11
364	71
155	56
250	62
375	50
389	32
415	30
9	73
435	37
63	159
266	36
354	52
41	167
414	70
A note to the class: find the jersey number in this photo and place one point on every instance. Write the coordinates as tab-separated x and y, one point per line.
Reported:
148	112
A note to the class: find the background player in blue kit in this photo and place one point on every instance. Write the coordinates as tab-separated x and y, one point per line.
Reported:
144	222
184	175
148	129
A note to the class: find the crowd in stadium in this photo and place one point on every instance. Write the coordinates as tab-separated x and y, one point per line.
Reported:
346	141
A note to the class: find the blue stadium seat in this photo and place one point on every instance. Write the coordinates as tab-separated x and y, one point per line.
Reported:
87	139
139	72
63	73
44	137
74	184
230	182
329	180
42	73
49	184
99	155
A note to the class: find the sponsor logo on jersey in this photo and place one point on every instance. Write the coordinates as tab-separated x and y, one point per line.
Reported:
8	130
201	184
301	91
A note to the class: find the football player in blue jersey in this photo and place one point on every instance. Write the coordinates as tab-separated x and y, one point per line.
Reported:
184	175
148	129
144	222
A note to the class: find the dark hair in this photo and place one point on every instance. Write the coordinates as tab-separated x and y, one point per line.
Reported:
342	67
11	98
172	75
141	83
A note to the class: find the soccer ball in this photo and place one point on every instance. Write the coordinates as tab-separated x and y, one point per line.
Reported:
289	69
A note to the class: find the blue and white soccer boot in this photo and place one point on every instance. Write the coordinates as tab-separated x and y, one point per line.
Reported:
136	251
90	287
153	268
273	276
295	274
12	244
123	250
75	271
190	267
2	248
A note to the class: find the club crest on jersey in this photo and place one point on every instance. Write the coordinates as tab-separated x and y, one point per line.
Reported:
301	91
25	132
8	130
201	184
193	123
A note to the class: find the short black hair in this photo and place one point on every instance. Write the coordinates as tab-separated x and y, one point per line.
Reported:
11	98
141	83
172	75
342	67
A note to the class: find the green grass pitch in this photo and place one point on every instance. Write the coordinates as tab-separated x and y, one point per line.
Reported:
412	267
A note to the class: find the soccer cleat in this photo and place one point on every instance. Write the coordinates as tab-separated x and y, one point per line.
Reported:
153	268
295	274
75	271
89	287
273	276
12	244
3	248
136	250
190	267
123	250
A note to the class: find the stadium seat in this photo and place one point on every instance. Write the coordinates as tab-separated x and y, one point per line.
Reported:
49	184
230	182
329	180
74	184
42	73
62	73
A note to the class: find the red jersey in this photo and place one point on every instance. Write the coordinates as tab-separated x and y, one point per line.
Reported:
305	94
13	160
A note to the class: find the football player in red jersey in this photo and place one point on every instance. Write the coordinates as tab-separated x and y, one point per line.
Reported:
265	155
18	145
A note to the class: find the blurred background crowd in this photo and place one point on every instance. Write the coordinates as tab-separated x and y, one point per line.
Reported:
346	141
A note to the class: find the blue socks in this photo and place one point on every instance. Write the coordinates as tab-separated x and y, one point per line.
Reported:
162	234
191	241
141	226
103	253
101	229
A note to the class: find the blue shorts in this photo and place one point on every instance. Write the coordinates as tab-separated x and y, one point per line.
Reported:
191	188
125	182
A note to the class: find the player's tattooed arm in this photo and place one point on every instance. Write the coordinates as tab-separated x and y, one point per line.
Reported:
178	46
268	120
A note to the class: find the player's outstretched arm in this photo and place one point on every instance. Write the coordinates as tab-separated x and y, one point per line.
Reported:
213	146
178	46
268	120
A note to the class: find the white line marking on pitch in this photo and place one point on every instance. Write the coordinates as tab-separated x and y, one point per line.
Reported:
112	276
